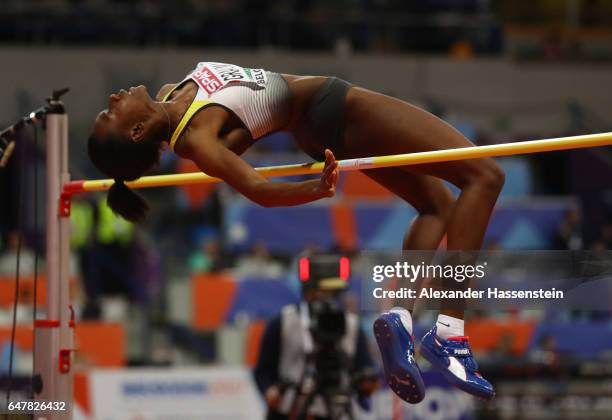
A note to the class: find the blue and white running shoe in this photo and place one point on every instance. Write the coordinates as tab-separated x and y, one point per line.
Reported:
453	358
396	346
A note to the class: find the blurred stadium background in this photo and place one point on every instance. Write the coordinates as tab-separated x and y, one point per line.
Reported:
193	286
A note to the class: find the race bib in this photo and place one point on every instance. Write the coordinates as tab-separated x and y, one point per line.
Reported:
215	76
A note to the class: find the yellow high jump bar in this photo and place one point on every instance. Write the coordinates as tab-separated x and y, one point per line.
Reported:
436	156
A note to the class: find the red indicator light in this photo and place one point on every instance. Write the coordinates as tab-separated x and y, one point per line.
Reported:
304	269
345	268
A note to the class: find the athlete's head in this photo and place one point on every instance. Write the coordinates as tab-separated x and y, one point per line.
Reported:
126	143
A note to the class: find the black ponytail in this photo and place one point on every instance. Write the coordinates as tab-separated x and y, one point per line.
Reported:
126	203
124	160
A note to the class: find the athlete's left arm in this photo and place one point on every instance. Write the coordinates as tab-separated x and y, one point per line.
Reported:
238	140
213	158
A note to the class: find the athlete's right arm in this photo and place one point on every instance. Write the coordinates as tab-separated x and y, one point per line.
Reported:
214	159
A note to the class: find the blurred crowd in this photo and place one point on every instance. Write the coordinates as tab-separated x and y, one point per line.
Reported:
303	24
461	27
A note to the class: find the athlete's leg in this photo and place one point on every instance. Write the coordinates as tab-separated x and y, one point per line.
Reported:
432	200
480	182
380	125
393	329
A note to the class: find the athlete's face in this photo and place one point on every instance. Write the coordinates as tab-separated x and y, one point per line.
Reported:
126	113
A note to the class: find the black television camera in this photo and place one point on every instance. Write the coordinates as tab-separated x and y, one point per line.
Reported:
329	372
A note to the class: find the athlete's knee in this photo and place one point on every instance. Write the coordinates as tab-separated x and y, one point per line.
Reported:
440	205
494	175
487	175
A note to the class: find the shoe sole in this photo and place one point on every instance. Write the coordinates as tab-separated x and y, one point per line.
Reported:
450	377
405	382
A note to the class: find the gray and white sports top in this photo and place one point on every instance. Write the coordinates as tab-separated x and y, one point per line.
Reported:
260	99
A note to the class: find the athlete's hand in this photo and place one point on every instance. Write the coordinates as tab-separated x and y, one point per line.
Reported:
273	397
329	177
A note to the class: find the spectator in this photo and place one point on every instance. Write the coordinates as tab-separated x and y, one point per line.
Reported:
569	232
8	260
259	263
109	266
545	353
206	259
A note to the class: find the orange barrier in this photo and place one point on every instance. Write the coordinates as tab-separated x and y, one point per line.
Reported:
196	194
487	334
100	344
344	225
253	342
358	185
26	290
24	339
81	391
212	295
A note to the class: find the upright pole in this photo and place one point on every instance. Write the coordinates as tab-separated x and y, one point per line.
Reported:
54	339
66	338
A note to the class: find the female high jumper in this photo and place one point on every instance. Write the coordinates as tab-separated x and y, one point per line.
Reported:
219	110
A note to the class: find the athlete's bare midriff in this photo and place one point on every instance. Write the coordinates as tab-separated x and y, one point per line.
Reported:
302	89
